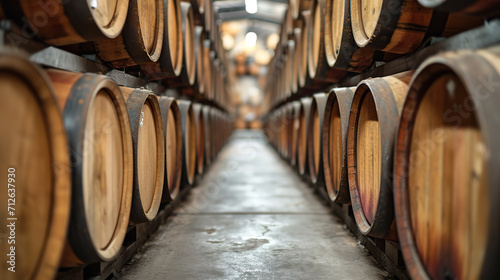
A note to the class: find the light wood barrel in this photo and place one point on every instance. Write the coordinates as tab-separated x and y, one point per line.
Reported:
334	149
319	70
373	122
446	173
341	50
200	137
142	38
188	142
304	116
169	65
207	132
172	130
188	73
35	166
295	123
401	28
148	142
61	22
488	8
100	141
297	6
315	141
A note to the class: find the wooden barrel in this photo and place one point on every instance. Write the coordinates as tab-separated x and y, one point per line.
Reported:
207	132
341	50
304	115
297	33
334	149
200	58
35	167
169	65
297	6
200	137
295	123
446	180
373	121
142	38
315	141
61	22
100	142
188	142
207	68
319	70
188	72
172	130
149	153
488	8
400	27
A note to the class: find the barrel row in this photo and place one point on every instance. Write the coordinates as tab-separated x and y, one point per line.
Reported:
414	155
85	158
166	41
322	42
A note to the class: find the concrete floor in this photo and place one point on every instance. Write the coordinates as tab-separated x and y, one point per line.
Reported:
252	217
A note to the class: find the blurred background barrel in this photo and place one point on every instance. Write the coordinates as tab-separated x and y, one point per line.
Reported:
69	22
142	38
315	134
100	142
200	137
172	130
208	132
149	153
334	149
38	171
373	123
188	142
295	132
304	116
487	8
446	184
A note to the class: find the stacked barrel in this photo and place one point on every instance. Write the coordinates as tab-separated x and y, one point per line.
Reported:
411	153
86	157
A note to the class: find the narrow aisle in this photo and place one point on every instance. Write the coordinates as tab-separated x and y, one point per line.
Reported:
252	217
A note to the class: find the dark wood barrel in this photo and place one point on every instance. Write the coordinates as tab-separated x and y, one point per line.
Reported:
340	47
200	58
172	130
35	167
335	125
169	65
295	123
188	142
100	143
207	122
315	141
373	121
446	173
318	67
488	8
206	68
297	33
149	153
69	22
200	137
142	38
302	73
304	115
188	73
400	27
